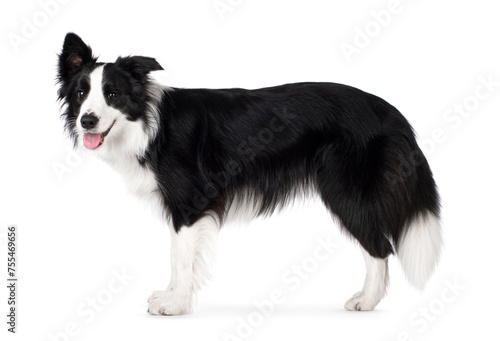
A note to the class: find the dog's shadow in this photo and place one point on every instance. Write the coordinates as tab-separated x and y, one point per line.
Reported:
295	310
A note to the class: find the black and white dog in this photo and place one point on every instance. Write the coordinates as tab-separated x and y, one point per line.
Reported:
204	155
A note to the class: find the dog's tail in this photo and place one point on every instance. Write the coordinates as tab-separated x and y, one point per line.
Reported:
419	248
415	204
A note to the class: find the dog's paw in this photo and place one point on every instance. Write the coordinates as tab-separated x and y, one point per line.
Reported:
169	306
166	302
157	294
361	302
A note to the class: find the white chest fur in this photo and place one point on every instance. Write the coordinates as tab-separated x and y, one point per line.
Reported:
140	181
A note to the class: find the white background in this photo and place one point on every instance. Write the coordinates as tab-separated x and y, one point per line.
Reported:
427	59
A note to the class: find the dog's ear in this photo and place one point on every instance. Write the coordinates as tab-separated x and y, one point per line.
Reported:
75	53
139	67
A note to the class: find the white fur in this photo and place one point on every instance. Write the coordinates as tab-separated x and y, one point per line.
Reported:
156	91
193	251
376	282
419	249
246	205
242	209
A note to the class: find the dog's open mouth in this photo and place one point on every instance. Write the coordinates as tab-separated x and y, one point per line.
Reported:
92	141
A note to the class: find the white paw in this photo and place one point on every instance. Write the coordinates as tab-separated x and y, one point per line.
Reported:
167	303
157	294
361	302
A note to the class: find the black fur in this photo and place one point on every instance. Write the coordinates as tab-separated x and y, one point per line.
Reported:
271	145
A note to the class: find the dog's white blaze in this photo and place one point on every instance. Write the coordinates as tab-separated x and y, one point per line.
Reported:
193	250
420	248
96	103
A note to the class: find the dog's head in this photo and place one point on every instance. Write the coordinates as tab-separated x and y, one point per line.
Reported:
107	105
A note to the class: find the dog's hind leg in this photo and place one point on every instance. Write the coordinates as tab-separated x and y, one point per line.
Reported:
193	251
376	282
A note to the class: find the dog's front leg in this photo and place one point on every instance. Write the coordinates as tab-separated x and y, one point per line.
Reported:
193	251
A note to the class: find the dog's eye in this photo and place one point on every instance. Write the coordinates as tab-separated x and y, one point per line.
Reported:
112	95
80	93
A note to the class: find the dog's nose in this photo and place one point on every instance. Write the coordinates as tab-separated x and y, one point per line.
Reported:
89	121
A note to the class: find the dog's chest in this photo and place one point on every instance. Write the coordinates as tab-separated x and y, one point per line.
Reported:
139	179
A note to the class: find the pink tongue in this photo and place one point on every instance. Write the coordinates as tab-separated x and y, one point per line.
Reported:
91	141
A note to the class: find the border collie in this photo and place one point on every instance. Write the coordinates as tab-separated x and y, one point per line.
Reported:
204	155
